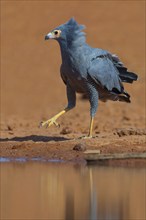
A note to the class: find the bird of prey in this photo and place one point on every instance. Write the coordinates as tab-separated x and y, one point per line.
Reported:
94	72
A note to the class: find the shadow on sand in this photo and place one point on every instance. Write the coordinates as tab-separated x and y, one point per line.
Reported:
34	138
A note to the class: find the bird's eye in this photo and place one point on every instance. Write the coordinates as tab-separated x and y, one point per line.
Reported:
55	32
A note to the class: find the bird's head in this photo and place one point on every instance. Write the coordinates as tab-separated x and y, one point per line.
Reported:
55	34
69	32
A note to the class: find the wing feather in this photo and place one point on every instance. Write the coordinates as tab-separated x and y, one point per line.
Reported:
103	72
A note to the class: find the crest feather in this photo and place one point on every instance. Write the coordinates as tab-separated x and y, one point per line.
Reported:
72	23
75	34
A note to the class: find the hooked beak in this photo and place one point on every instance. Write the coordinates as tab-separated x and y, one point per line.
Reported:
49	36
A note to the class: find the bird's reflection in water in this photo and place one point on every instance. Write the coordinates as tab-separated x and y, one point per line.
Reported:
70	192
69	204
110	203
93	198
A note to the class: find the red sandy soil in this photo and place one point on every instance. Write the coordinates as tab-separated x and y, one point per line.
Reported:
32	90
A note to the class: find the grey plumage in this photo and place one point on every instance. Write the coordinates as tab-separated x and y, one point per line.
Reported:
91	71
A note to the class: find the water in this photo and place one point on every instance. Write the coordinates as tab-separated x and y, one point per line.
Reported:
47	191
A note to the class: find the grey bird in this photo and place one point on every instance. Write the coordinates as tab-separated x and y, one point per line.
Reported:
91	71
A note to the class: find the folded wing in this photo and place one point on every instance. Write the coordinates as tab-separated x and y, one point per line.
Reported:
103	71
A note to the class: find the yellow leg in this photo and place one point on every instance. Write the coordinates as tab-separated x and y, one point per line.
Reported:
52	120
91	127
90	130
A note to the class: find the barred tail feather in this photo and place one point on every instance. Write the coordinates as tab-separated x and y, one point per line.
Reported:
127	76
124	98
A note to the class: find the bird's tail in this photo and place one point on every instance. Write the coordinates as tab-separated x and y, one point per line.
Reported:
124	97
127	76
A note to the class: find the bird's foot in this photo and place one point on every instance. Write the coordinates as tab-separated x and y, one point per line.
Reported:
49	122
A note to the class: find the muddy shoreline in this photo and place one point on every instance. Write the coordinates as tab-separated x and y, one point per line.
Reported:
62	148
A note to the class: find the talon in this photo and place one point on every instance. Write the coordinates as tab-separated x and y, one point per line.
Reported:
47	125
56	124
41	124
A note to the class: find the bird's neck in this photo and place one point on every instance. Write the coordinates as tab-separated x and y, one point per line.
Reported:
65	51
68	51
